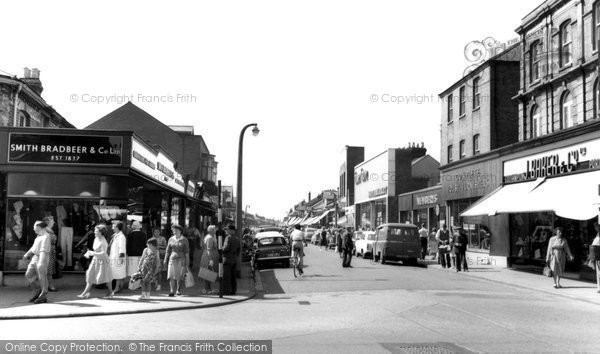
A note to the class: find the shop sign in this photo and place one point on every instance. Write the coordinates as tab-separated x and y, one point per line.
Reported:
191	189
426	199
378	192
156	165
580	157
469	181
64	149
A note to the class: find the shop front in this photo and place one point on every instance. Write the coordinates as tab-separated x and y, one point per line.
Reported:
422	207
464	185
544	188
78	179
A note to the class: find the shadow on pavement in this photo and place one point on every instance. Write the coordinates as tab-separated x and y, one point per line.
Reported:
270	282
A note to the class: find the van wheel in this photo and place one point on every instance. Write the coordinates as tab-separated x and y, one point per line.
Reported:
411	261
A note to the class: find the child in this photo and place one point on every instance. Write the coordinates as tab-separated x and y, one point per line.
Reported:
148	267
162	250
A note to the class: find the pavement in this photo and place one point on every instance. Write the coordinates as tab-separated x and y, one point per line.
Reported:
571	289
15	294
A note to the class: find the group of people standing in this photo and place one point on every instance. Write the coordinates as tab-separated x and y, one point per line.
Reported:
116	257
452	248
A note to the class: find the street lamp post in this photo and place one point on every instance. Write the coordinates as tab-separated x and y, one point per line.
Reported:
238	204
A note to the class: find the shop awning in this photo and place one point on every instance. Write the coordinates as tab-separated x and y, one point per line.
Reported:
572	197
322	216
343	222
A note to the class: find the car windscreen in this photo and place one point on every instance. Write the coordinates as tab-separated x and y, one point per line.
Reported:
398	234
271	241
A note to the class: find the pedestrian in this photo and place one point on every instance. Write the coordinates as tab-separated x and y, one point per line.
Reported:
423	235
210	256
339	243
347	246
193	236
443	239
148	268
99	271
323	239
177	259
135	245
37	270
86	243
117	252
558	250
459	248
49	220
162	250
595	255
433	244
231	252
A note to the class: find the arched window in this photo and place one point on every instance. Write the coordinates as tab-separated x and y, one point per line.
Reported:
536	122
566	43
566	111
24	119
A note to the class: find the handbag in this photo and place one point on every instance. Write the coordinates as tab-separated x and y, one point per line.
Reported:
547	271
22	264
207	274
189	279
135	284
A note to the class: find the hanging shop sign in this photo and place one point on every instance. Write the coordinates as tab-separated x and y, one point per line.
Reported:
575	158
65	149
156	166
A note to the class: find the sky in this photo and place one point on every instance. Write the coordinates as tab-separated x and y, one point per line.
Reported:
314	75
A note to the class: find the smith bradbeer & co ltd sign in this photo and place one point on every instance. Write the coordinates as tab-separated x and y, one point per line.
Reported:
576	158
64	149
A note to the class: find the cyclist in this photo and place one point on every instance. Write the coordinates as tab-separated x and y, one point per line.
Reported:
298	241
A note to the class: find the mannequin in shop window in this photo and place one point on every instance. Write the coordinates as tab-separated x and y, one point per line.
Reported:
65	234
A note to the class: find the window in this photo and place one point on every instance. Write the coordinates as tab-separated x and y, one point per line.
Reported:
462	100
596	29
536	123
566	119
596	99
24	119
566	45
475	93
461	149
535	58
476	144
450	107
449	153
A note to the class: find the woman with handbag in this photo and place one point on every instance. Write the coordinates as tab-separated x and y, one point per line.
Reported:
209	260
558	249
99	271
177	259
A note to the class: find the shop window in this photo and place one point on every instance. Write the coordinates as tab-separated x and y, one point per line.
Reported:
566	44
73	221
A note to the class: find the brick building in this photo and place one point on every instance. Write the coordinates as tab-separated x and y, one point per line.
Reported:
22	105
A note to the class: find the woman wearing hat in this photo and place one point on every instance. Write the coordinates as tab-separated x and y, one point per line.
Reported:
177	259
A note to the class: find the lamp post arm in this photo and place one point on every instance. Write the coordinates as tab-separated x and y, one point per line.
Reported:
238	218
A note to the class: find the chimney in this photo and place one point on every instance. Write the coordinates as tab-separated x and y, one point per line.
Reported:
32	79
309	196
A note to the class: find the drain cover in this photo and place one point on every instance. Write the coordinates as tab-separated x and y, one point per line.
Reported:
432	348
304	302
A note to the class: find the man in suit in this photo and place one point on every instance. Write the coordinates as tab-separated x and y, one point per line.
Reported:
231	252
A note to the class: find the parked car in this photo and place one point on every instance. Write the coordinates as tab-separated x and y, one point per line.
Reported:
397	242
363	245
272	246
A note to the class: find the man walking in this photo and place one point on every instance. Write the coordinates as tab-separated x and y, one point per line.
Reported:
231	252
347	246
423	234
37	270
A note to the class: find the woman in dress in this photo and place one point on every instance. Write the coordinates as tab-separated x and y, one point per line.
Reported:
177	259
99	269
558	249
210	256
49	220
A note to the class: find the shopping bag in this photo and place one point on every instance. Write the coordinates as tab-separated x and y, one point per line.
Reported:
547	271
189	279
22	264
207	274
135	284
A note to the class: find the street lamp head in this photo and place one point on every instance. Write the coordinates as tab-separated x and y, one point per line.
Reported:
255	130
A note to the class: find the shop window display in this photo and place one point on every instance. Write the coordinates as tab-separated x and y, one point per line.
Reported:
73	219
479	236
